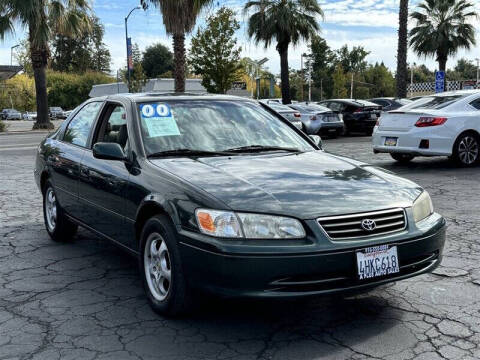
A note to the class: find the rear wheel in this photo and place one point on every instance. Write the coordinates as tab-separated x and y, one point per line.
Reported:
466	149
402	158
161	268
57	224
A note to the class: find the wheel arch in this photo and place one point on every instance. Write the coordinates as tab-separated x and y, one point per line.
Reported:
468	131
148	209
43	179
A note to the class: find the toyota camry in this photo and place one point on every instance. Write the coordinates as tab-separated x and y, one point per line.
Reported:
219	194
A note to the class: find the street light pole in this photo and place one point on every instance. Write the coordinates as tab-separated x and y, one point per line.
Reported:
11	53
126	42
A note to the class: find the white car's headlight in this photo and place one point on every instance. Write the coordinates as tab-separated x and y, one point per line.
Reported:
245	225
422	207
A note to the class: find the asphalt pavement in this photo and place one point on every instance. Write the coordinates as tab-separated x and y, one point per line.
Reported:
83	300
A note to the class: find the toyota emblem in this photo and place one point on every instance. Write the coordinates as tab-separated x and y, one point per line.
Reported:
368	224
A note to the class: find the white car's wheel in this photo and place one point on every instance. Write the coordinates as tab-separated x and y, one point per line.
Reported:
466	149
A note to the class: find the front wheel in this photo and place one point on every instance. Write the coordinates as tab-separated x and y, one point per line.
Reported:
402	158
57	224
466	149
161	268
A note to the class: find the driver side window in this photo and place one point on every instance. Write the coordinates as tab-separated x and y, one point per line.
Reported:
113	127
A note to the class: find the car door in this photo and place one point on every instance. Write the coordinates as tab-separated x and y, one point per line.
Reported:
103	183
66	154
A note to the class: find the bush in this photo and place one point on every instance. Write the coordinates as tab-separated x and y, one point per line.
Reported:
19	93
3	126
70	90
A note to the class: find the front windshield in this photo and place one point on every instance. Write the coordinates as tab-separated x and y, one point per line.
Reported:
208	125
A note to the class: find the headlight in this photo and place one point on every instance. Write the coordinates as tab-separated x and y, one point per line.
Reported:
245	225
422	207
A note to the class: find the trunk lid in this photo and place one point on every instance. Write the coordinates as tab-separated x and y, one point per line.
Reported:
402	120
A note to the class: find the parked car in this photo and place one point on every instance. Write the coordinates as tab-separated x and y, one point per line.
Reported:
290	114
320	120
11	114
216	193
29	115
56	112
445	124
358	115
390	103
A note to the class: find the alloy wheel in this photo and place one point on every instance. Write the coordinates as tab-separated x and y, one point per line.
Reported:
158	269
51	209
468	150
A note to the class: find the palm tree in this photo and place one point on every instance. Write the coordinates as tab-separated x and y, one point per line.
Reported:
179	18
43	19
402	75
286	21
442	28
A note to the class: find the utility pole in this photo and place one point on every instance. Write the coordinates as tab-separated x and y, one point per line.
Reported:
310	83
478	72
11	53
321	89
301	70
351	87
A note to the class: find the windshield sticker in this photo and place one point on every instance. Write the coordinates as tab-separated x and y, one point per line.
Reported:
159	120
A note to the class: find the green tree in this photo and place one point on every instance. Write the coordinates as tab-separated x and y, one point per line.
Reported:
442	27
464	70
179	18
23	57
339	82
157	60
286	22
401	78
43	20
214	53
322	60
382	80
354	60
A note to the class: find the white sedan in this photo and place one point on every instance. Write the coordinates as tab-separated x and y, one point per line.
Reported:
446	124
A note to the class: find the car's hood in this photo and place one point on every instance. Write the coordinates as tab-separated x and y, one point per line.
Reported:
305	185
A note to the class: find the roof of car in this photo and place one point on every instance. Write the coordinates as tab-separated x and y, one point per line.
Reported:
155	96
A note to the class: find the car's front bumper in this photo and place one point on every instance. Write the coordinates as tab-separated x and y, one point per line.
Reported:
296	275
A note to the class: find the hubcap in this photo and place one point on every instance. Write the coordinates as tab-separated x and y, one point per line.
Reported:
468	150
51	209
158	270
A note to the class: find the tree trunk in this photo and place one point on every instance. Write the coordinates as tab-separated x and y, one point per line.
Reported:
284	76
402	74
179	59
39	63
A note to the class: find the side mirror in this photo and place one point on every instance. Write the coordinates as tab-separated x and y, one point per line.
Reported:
108	151
317	140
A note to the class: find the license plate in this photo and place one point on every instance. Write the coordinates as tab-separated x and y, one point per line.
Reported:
332	130
377	261
391	141
373	116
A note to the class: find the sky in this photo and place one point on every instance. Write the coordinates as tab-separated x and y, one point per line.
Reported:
372	24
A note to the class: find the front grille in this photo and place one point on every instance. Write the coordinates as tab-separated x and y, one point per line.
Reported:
350	226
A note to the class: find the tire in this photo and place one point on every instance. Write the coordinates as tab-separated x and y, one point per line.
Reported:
163	281
402	158
57	224
466	150
369	132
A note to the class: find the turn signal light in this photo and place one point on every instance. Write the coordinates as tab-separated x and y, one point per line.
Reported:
206	221
430	121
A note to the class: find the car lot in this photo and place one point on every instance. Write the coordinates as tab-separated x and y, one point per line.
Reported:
83	300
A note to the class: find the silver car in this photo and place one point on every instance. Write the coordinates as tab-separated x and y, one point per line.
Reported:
29	115
317	119
11	114
290	114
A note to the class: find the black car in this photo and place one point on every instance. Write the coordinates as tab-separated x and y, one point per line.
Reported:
358	115
219	194
390	103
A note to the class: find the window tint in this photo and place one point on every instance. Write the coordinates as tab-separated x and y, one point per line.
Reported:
336	106
476	104
114	126
79	128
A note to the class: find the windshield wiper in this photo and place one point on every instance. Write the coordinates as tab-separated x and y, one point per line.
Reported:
188	152
259	148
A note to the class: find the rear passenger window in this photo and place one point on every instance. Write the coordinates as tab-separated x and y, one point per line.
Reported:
79	128
476	104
